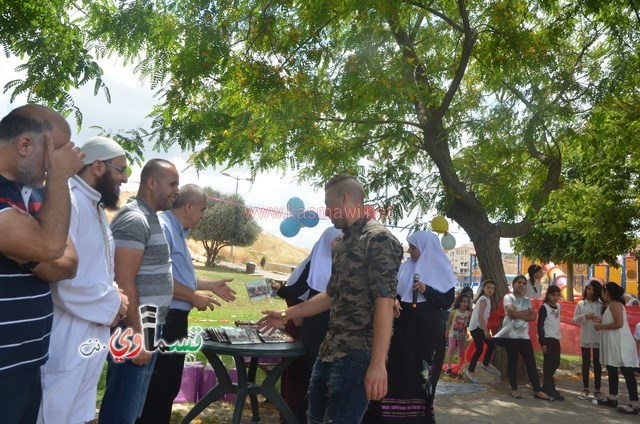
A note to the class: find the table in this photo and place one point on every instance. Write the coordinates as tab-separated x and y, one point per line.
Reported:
247	385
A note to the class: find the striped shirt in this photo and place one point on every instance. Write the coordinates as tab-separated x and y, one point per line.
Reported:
136	226
26	309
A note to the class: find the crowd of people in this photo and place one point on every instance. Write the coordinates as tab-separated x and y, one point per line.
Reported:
375	330
70	279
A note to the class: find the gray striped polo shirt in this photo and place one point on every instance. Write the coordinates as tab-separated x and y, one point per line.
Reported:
136	226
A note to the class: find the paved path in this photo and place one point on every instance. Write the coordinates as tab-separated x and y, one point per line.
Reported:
495	405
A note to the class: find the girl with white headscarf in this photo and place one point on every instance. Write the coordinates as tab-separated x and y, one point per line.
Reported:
426	286
308	279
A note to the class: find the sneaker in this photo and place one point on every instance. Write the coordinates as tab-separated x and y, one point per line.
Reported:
448	371
471	378
628	409
608	402
494	372
584	395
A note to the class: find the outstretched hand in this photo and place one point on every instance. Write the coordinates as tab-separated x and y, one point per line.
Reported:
222	290
271	320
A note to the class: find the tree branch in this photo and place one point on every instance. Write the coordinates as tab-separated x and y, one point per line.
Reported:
470	37
440	15
372	121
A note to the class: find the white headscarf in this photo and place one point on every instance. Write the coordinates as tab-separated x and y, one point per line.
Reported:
320	268
433	267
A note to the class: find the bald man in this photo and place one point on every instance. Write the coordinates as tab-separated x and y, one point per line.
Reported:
350	369
143	272
35	148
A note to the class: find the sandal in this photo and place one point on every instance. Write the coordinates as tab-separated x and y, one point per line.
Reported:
597	394
516	395
547	398
584	395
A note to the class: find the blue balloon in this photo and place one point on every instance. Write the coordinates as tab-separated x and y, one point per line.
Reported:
310	219
289	227
295	206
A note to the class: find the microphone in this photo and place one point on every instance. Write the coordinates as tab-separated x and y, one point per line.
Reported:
416	278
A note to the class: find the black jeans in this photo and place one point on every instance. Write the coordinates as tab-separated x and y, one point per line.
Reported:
597	368
20	396
524	348
167	372
629	379
550	365
480	340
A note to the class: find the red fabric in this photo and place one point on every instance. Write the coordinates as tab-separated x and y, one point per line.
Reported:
570	342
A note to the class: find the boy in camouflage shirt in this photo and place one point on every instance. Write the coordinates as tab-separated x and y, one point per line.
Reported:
350	369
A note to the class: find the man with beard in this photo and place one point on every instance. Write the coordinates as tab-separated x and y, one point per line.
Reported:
88	304
143	271
34	146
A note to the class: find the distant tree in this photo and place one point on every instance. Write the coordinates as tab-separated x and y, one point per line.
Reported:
225	223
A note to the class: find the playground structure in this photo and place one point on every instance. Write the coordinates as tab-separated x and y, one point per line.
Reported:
625	273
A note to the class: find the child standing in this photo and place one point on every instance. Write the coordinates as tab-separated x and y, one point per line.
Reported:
618	349
587	310
457	328
549	338
480	330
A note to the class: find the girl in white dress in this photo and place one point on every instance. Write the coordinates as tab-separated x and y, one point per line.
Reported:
618	349
587	310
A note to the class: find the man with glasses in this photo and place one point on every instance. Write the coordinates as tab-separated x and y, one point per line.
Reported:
188	292
88	304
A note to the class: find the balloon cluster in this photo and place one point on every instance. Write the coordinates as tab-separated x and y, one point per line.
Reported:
440	225
297	218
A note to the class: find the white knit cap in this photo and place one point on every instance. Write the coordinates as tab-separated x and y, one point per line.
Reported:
101	148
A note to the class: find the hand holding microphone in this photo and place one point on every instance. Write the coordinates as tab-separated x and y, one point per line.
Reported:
416	279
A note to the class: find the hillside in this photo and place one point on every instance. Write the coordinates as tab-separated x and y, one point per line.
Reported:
273	249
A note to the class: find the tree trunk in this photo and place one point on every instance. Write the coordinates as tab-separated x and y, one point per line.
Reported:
490	261
464	208
211	257
569	281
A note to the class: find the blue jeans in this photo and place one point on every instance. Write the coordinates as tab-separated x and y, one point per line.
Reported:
336	389
126	390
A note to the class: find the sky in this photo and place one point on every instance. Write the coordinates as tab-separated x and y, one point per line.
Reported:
131	102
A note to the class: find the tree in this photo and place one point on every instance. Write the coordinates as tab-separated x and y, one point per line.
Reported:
465	106
593	217
225	223
581	224
49	37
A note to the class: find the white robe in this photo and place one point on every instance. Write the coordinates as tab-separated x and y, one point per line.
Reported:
83	309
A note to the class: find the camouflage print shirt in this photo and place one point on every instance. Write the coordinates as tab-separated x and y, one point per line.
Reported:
365	267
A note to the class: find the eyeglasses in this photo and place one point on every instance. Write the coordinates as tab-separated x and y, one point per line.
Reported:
123	171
